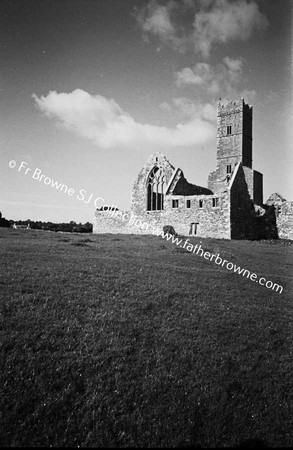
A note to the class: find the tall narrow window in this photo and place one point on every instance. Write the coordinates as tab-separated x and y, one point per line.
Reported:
200	203
229	129
175	203
188	202
229	168
155	189
215	202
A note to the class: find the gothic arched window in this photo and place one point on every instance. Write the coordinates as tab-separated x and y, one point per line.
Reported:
155	189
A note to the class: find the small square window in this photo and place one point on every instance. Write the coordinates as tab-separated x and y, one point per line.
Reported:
175	203
215	202
229	168
200	203
229	129
188	203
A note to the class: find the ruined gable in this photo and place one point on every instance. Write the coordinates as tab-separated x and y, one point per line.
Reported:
180	186
275	199
184	188
283	215
152	179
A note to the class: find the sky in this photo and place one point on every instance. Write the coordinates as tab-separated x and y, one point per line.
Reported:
89	89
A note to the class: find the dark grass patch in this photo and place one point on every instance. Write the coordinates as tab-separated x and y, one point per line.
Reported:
179	249
26	290
276	241
130	346
161	247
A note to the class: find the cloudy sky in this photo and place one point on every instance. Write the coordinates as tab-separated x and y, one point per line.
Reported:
90	88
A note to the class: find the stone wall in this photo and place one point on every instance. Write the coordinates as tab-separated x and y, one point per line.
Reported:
285	221
247	135
108	222
248	173
125	222
241	207
257	188
212	221
254	181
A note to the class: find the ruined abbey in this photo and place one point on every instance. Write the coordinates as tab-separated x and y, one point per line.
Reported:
231	207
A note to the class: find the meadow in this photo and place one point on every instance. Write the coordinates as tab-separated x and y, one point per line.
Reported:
123	341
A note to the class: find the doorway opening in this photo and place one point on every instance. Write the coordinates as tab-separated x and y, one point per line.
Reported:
193	229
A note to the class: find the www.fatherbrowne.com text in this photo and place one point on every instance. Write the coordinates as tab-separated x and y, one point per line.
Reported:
216	258
196	249
146	227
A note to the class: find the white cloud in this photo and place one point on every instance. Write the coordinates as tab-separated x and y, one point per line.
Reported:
158	22
165	106
224	21
103	121
214	22
191	109
225	79
234	65
155	19
249	96
199	75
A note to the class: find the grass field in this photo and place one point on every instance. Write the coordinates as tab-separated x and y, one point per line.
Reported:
122	341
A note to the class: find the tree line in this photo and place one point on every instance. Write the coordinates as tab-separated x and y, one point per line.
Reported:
71	227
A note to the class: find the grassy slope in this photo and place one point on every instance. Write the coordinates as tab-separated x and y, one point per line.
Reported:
129	341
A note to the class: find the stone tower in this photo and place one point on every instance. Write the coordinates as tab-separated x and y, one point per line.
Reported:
234	145
234	141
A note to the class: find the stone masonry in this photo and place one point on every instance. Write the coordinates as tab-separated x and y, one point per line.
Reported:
231	207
